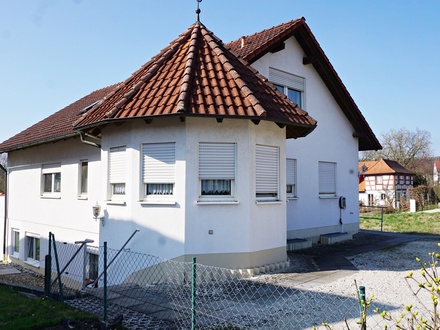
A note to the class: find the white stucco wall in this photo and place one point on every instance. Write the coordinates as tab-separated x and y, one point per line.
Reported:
183	228
2	219
332	141
68	217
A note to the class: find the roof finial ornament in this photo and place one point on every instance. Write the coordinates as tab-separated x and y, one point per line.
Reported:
198	10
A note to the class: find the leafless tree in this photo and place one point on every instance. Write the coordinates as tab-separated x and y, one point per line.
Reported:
404	146
4	159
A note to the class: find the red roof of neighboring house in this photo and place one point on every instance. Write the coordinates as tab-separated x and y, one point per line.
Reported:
55	127
254	46
382	166
437	165
196	75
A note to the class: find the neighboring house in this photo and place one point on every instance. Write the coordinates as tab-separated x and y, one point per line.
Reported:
436	176
383	182
191	150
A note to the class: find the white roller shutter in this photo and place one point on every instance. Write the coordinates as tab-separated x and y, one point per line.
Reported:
327	178
217	161
267	170
158	162
287	79
117	167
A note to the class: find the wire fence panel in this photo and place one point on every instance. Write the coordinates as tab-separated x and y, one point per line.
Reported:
149	292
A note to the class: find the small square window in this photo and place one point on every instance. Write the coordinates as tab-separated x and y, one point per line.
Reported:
379	179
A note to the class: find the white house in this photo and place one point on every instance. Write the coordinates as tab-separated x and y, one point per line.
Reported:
191	151
325	163
436	172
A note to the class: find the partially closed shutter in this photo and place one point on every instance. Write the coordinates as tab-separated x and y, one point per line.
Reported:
267	169
327	178
159	160
290	171
217	161
117	165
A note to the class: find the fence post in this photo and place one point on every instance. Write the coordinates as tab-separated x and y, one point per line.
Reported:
193	294
48	268
362	304
105	282
381	220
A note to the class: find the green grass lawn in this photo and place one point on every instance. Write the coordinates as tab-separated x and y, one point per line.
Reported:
411	223
20	312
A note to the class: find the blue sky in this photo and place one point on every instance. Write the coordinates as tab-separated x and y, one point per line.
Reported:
54	52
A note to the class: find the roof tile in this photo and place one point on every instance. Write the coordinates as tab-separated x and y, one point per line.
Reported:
55	127
196	75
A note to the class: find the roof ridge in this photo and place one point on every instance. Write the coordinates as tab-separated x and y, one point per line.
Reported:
157	61
188	72
215	47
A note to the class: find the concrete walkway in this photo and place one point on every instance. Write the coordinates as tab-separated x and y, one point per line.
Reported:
7	269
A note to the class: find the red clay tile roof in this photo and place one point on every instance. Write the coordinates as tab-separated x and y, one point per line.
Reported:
383	166
253	47
197	76
55	127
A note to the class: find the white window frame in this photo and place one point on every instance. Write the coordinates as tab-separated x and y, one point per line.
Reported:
327	179
158	167
53	171
32	239
285	81
89	264
15	250
117	167
83	178
217	165
291	178
379	179
267	173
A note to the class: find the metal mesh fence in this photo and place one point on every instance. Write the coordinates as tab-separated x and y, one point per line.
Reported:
149	292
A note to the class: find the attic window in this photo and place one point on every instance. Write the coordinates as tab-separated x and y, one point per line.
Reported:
87	108
289	84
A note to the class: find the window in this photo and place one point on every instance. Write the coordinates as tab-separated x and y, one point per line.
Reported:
217	170
51	179
158	169
84	174
117	167
379	179
266	172
327	179
291	177
15	242
92	266
32	248
291	85
382	197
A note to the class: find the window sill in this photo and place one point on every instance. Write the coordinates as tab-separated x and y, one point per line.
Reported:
83	198
230	202
50	196
158	202
292	198
115	203
33	263
328	197
263	202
